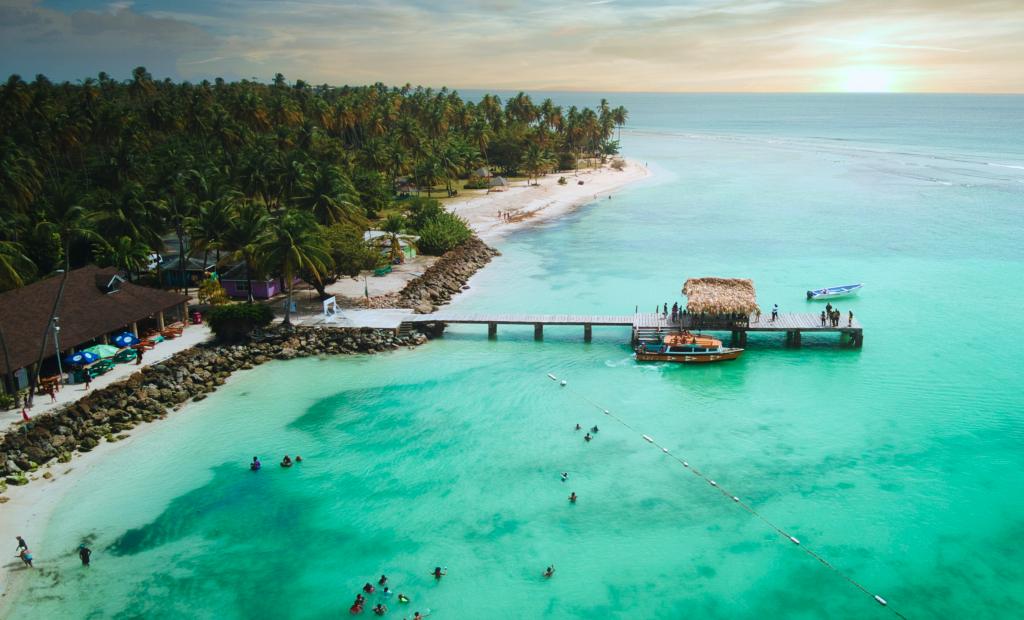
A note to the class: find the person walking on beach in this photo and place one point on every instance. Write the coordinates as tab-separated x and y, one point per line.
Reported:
138	355
84	554
21	544
26	557
88	379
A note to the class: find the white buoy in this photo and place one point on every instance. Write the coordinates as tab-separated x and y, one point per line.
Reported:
606	412
552	377
648	439
712	483
795	541
685	464
881	601
665	450
564	382
735	499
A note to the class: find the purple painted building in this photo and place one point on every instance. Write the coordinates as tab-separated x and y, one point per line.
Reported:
236	285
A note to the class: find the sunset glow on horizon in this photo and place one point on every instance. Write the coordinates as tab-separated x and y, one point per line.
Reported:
599	45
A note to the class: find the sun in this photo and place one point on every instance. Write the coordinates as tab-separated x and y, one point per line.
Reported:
865	80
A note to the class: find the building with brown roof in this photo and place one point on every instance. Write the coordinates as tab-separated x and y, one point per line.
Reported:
96	303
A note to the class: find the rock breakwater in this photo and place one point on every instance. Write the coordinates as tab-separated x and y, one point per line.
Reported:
442	280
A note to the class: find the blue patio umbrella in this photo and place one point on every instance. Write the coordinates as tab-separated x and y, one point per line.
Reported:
126	339
81	358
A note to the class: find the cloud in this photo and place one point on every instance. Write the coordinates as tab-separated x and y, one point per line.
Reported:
645	45
69	46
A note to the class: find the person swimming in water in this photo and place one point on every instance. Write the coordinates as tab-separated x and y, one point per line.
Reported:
565	476
594	430
368	588
286	461
380	609
402	598
587	437
386	593
572	497
438	573
578	427
255	465
383	580
298	459
549	571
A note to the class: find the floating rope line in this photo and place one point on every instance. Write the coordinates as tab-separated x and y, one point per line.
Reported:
734	498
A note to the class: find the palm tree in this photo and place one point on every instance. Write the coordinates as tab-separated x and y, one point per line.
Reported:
126	253
69	222
15	267
247	231
294	242
327	193
537	161
394	225
619	115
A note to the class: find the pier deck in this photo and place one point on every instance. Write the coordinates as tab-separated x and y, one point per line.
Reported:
645	326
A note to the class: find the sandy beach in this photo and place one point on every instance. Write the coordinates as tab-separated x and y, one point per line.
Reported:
27	509
530	204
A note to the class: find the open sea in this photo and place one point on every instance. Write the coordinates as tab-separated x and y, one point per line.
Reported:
902	463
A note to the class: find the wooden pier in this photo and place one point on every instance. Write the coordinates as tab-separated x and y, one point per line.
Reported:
651	327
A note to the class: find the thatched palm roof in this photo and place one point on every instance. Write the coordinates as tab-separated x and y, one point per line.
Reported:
720	296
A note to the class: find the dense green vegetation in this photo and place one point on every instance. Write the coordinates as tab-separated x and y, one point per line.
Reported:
235	321
283	177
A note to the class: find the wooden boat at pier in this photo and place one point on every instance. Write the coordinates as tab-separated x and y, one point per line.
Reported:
686	348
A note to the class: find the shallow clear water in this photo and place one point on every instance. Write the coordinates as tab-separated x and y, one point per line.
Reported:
901	463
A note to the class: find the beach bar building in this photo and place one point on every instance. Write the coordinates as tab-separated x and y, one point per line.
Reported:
719	303
96	304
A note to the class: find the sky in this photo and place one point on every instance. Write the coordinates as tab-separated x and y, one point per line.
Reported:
592	45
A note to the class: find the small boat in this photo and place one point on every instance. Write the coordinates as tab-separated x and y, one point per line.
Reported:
834	291
686	348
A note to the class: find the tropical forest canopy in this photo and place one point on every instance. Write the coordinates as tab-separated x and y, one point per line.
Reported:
284	177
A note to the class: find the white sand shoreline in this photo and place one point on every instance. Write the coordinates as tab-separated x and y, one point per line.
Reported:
29	508
530	204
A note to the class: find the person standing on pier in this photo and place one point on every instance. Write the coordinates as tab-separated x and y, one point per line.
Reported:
775	312
849	323
823	318
828	308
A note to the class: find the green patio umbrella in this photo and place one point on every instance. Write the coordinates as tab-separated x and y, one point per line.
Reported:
103	350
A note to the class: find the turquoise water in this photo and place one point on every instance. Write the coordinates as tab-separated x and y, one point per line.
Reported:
901	463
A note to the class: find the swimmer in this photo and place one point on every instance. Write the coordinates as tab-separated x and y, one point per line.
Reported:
572	497
402	598
380	609
286	462
578	427
360	599
255	465
438	573
368	588
298	459
383	580
594	430
386	593
565	476
549	571
587	437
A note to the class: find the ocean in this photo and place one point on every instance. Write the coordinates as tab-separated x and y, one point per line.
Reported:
900	463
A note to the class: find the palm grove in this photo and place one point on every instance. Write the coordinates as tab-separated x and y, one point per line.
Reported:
283	177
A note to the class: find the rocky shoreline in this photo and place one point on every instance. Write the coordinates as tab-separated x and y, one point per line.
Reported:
157	390
442	280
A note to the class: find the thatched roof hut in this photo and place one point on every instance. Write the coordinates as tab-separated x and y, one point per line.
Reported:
720	296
